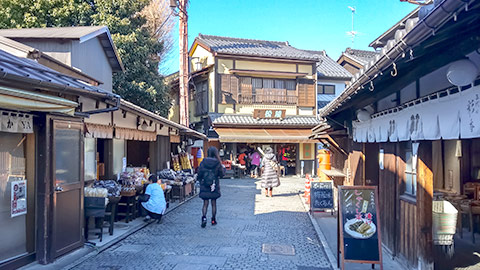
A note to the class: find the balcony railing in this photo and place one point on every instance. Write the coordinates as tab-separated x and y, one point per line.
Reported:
269	96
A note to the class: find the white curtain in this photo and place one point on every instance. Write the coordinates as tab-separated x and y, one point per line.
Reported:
450	117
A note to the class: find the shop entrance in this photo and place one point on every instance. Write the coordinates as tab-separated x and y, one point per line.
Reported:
67	170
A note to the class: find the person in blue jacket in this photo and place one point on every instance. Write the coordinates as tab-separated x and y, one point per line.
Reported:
156	204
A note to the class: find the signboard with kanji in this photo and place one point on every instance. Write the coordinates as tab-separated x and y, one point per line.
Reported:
321	196
269	113
359	228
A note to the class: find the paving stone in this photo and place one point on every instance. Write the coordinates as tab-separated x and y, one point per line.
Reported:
246	221
278	249
193	260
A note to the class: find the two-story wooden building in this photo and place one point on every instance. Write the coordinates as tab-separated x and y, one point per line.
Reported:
408	123
248	93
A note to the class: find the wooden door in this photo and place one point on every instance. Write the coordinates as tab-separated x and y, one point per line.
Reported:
67	164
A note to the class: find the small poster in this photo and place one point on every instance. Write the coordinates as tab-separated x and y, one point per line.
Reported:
19	198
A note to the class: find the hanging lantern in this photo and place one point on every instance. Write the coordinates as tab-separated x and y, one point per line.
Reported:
462	72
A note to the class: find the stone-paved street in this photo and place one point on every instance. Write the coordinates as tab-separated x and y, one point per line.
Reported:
246	221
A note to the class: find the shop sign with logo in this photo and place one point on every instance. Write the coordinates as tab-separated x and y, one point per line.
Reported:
268	114
16	122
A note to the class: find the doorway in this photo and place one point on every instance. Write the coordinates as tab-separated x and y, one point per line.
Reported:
67	165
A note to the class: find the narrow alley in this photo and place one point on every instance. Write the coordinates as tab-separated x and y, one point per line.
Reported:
253	232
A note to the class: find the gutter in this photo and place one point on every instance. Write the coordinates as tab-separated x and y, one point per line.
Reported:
440	14
62	88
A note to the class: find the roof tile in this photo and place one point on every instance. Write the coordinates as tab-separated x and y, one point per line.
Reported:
244	119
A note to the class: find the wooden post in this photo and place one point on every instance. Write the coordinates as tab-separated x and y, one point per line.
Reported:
424	206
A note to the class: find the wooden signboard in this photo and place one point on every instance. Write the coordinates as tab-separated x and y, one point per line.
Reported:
321	196
359	227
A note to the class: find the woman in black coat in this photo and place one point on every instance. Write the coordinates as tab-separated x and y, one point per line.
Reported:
209	173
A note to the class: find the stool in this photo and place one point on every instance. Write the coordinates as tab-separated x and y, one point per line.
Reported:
127	208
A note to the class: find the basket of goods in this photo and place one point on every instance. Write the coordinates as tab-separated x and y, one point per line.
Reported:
113	189
167	174
128	191
95	201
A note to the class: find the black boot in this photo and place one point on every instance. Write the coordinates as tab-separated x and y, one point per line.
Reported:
214	221
204	222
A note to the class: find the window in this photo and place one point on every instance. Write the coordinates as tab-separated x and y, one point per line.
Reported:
326	89
264	90
411	169
201	98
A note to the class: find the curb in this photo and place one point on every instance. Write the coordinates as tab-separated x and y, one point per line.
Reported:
321	236
86	252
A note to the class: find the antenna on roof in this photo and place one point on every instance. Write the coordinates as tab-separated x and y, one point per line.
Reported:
352	33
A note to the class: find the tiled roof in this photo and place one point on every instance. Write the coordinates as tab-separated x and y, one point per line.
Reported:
248	120
361	56
82	33
252	47
11	65
328	67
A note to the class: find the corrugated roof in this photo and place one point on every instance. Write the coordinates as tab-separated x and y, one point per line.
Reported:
82	33
361	56
253	47
29	69
328	67
75	32
248	120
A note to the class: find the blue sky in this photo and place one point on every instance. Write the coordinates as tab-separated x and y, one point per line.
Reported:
305	24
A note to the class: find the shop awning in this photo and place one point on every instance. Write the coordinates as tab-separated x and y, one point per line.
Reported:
264	135
98	131
33	101
333	172
134	134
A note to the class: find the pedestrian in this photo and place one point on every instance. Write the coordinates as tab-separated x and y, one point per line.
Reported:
256	158
155	204
209	173
269	172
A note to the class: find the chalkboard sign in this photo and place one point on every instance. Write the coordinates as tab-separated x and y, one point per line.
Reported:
321	195
359	227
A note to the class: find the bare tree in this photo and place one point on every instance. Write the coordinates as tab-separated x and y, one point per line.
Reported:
160	22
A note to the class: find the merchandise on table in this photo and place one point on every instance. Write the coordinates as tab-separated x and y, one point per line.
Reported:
173	178
112	187
132	180
95	192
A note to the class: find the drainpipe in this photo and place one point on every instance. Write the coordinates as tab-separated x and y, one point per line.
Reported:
104	110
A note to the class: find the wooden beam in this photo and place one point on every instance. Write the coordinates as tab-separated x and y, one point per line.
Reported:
424	206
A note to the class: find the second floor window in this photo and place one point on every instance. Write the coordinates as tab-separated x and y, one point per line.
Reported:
326	89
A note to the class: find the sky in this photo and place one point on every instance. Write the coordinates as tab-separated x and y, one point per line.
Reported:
305	24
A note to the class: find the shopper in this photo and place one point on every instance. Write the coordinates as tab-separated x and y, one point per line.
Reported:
209	173
255	158
156	204
269	172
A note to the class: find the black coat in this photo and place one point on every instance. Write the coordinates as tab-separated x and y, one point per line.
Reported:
214	165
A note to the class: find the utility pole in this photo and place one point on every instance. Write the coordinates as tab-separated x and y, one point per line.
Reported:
184	65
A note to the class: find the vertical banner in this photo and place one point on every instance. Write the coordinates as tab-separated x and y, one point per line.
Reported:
18	198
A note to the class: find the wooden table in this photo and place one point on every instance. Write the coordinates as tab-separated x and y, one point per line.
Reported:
127	207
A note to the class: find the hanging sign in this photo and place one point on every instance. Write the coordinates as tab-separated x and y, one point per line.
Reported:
321	196
269	114
359	228
16	122
18	197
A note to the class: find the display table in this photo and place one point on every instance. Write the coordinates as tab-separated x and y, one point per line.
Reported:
94	207
178	192
127	207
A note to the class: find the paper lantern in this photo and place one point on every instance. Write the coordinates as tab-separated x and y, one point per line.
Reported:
462	72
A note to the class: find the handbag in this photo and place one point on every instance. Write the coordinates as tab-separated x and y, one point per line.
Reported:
143	197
